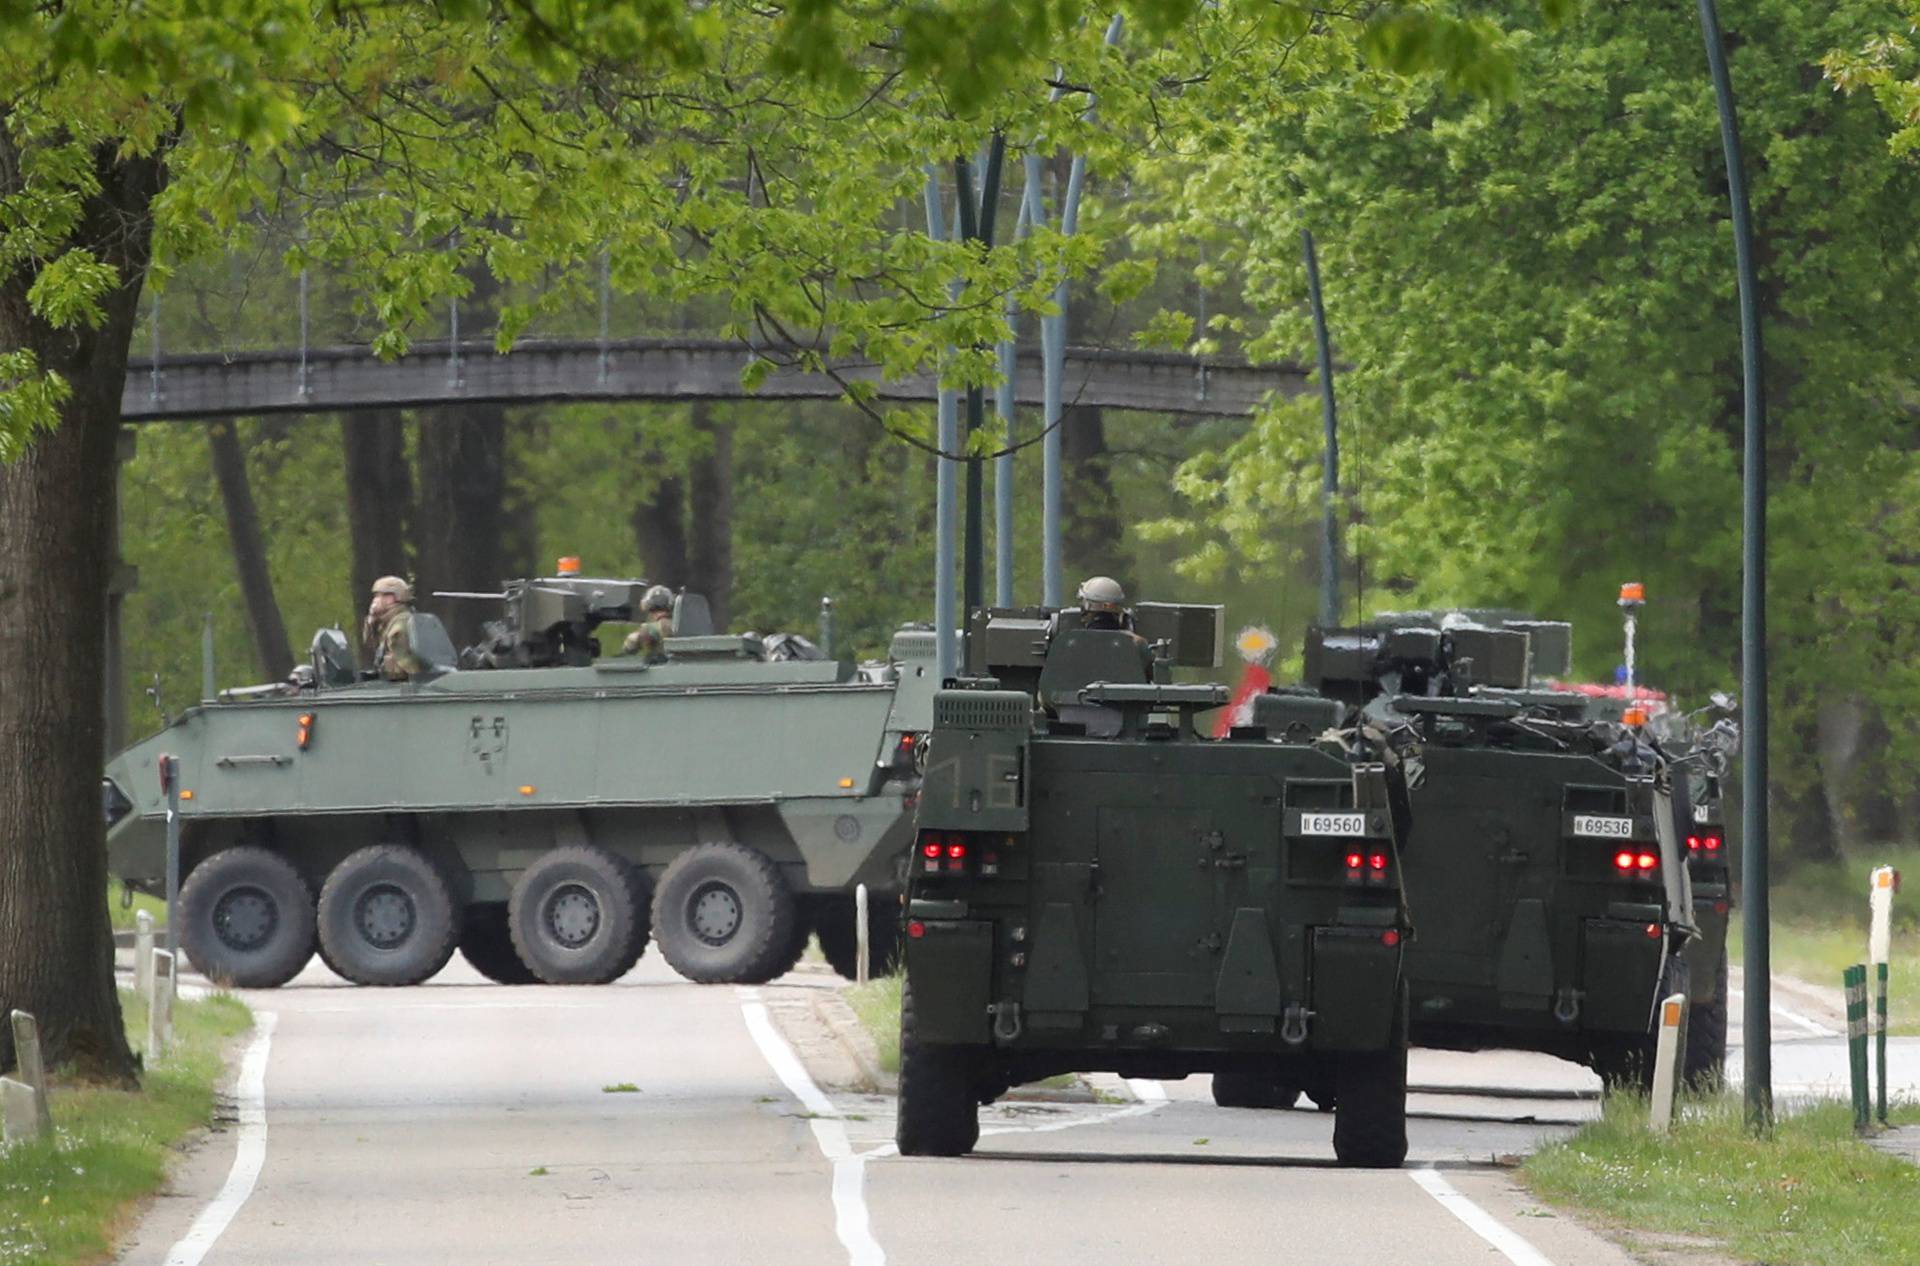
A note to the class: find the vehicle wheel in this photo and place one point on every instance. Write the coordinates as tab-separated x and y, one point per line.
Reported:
1370	1116
784	963
578	916
1245	1090
487	946
246	918
939	1111
723	914
387	917
834	924
1706	1062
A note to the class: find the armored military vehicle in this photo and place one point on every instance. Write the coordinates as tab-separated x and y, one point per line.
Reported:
1096	886
1548	863
541	806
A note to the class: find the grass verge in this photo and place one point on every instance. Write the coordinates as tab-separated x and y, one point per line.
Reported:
1819	926
877	1004
122	916
1813	1194
63	1199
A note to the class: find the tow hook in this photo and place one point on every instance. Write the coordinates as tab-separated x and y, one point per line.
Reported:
1006	1022
1566	1006
1293	1024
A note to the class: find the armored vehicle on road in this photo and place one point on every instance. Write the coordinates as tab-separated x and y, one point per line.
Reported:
543	808
1095	886
1548	861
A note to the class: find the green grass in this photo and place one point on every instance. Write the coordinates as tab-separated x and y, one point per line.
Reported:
1819	926
620	1088
122	916
63	1199
877	1004
1811	1195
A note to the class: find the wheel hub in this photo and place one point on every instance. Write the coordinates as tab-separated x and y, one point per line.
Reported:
245	917
713	912
385	915
572	915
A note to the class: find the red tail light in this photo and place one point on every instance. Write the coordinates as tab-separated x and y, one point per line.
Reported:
931	848
1636	861
1377	862
956	848
1355	861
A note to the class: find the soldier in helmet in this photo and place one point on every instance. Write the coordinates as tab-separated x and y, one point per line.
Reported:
656	626
389	627
1103	604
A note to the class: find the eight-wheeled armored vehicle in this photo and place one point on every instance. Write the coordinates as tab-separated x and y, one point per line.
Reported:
1547	868
539	805
1095	886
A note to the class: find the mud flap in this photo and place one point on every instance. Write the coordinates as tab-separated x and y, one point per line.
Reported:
950	970
1356	989
1620	972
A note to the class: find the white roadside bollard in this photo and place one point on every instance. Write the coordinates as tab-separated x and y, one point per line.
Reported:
1882	884
862	941
160	1007
30	1068
19	1111
143	953
1668	1043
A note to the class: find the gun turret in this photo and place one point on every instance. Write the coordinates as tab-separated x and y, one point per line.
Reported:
549	621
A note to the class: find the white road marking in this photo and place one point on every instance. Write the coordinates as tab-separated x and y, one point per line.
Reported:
248	1156
1788	1013
850	1220
1478	1220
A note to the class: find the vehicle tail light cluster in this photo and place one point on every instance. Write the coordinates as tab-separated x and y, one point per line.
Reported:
1637	861
1368	866
1704	845
306	730
902	756
955	853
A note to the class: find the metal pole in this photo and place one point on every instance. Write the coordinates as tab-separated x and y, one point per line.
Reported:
305	387
208	687
976	225
947	440
1003	406
826	626
172	771
1330	449
1753	613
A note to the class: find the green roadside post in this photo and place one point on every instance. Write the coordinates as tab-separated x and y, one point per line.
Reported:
1880	1037
1755	928
1855	981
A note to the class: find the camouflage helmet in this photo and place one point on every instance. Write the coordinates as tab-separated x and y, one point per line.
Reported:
1102	593
399	588
658	598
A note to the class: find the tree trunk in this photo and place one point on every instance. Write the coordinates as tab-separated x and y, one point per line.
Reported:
660	530
1092	536
710	549
458	531
373	446
249	552
56	947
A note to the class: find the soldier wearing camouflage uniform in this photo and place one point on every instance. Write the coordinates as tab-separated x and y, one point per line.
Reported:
656	626
389	627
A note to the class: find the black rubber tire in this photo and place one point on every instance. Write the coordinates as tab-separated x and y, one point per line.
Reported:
938	1111
387	916
578	916
1706	1062
1245	1090
1370	1116
796	947
246	918
723	914
834	925
487	946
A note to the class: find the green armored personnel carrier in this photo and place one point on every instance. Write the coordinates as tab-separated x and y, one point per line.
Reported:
1548	861
1096	886
543	807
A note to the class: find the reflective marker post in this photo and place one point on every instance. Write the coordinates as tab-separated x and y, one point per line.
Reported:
1882	884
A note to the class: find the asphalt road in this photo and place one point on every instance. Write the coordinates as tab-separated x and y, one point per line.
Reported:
462	1122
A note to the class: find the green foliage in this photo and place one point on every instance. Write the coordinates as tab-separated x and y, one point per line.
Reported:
1534	304
29	400
1811	1195
1885	63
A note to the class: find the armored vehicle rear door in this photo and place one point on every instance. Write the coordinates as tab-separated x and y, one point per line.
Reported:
1482	867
